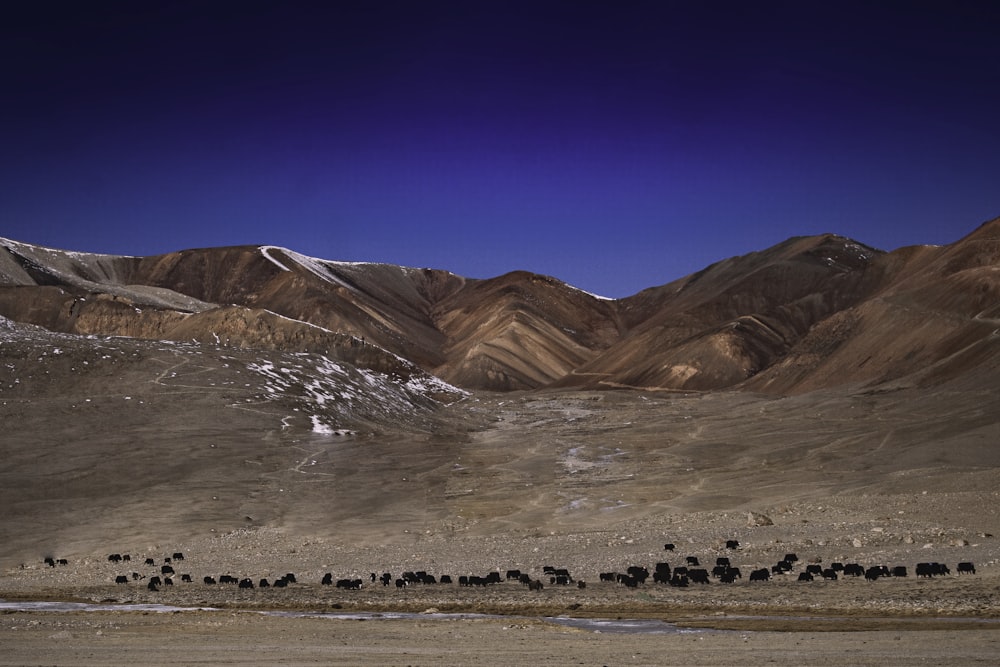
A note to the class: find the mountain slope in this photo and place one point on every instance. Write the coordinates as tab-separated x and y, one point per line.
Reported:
521	331
735	318
808	313
116	434
934	317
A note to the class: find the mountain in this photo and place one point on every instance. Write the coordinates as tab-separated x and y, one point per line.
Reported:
808	313
929	316
206	396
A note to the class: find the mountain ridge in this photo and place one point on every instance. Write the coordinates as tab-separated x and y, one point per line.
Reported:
810	312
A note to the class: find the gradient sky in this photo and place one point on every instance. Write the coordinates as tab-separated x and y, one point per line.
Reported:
615	145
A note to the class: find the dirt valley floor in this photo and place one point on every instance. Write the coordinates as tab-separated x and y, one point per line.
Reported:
593	484
949	619
222	638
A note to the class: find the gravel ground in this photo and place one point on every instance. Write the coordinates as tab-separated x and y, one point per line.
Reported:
950	619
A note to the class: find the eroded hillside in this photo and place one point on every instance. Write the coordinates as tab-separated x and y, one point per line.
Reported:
809	313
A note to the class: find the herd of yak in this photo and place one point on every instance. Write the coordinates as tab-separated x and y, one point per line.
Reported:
691	572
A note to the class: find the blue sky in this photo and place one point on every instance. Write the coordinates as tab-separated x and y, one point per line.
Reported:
614	145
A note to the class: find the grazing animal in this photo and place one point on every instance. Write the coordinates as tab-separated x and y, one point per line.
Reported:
853	570
965	567
638	572
728	577
698	576
121	579
932	569
732	544
760	575
669	546
805	576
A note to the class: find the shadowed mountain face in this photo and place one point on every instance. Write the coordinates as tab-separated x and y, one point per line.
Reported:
809	313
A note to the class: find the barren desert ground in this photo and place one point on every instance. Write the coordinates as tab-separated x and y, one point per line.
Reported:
592	482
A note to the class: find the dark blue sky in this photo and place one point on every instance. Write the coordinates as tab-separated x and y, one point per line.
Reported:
615	145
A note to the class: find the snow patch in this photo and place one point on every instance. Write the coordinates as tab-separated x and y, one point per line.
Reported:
330	392
320	427
266	251
315	266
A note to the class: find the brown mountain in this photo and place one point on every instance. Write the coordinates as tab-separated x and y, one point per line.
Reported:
808	313
258	392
